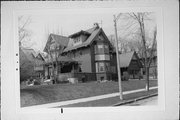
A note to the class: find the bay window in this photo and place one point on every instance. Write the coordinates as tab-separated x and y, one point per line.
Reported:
101	49
102	66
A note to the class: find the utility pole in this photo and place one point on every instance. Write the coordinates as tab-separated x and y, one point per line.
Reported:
117	56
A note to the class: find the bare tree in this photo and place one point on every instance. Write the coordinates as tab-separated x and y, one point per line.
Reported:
135	29
54	52
121	42
24	32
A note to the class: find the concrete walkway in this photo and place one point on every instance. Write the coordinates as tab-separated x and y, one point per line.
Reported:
50	105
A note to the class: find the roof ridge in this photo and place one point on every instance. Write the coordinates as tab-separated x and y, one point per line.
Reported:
58	35
93	28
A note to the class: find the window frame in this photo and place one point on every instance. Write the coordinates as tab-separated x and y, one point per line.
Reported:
105	66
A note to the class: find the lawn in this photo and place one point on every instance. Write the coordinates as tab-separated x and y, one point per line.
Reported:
35	95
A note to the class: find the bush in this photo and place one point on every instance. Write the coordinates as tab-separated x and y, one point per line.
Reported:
125	76
62	78
37	82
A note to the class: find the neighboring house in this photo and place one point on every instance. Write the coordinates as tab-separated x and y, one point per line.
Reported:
130	63
39	62
31	64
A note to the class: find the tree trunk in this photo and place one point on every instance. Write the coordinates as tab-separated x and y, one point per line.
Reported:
56	73
53	72
147	78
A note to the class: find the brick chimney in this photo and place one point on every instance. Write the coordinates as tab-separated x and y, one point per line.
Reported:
96	25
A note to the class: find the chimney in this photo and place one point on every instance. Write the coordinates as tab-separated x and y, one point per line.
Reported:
96	25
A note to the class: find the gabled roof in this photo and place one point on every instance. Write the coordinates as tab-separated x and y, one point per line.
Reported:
125	58
29	55
90	30
59	39
93	33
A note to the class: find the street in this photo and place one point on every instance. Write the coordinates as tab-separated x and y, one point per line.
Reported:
148	101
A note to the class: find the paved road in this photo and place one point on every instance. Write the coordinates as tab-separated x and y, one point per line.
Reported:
149	101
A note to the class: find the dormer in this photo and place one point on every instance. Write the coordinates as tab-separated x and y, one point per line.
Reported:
79	37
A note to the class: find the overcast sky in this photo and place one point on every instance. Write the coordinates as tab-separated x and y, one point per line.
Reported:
68	22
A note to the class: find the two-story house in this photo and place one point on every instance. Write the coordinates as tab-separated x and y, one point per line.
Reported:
93	52
92	49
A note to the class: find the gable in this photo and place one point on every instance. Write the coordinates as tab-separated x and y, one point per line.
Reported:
134	57
103	38
56	40
135	62
125	59
26	57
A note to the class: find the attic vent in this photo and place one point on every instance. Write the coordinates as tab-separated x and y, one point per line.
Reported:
96	25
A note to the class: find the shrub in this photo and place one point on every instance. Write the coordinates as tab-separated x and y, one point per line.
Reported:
125	76
36	82
62	78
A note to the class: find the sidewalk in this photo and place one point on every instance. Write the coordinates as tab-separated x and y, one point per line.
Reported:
89	99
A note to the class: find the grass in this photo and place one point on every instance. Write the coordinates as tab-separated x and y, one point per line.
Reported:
34	95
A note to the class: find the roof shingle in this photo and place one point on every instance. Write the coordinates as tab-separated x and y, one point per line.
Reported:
125	59
59	39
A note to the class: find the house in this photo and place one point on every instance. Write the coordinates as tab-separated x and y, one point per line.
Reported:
92	49
130	63
39	60
31	63
89	54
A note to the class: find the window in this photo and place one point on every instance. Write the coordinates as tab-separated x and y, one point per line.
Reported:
106	49
77	41
102	57
102	66
101	49
100	37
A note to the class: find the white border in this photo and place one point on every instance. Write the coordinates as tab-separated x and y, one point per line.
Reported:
44	113
158	11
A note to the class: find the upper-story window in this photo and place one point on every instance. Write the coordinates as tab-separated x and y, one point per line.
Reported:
101	49
77	39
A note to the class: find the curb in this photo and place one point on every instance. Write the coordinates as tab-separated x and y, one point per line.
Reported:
134	100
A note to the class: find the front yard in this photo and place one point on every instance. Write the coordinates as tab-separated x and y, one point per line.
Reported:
35	95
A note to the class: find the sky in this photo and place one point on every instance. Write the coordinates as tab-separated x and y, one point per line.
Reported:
67	22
